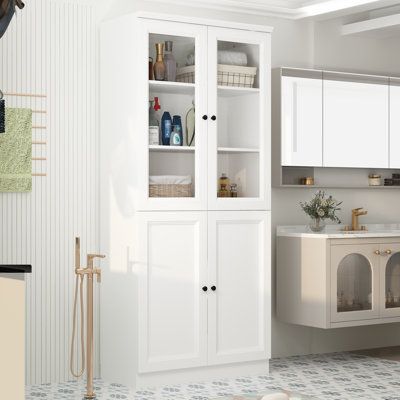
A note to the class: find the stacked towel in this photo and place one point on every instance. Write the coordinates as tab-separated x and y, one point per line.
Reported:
226	57
16	151
170	180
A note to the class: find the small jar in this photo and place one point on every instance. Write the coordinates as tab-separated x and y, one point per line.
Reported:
234	190
223	192
374	180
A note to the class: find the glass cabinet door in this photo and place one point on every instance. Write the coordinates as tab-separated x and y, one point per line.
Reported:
172	134
238	115
390	280
355	282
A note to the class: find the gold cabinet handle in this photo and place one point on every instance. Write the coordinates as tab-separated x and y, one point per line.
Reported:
377	252
388	251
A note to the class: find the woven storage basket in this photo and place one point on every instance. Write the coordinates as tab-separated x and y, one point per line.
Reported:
228	75
170	190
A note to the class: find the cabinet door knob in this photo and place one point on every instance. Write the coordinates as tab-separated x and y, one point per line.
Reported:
213	117
205	117
213	288
377	252
205	288
388	251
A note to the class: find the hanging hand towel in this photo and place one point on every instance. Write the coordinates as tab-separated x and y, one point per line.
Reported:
16	151
2	115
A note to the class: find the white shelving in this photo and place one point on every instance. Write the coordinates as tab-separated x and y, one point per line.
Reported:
172	149
172	87
237	150
232	91
191	247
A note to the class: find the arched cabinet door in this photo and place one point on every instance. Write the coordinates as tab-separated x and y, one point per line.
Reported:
354	282
390	280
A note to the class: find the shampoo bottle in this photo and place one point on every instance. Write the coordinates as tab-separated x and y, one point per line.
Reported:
166	128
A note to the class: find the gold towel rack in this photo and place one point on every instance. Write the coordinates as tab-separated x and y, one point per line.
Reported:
36	127
43	96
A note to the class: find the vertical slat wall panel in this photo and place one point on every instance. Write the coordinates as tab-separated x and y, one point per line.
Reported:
50	48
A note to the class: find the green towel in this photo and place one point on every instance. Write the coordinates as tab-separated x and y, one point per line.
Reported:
16	151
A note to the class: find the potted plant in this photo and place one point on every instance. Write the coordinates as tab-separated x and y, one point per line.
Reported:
320	208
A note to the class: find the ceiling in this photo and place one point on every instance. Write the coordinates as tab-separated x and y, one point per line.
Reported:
291	9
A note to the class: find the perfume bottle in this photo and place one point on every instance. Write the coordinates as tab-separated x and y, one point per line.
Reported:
170	63
159	65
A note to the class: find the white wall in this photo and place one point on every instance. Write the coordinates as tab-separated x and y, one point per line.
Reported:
50	49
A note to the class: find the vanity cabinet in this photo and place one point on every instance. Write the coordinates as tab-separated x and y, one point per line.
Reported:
355	117
301	122
327	282
203	289
394	97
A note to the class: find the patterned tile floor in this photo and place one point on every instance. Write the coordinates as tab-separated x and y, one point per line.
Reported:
331	376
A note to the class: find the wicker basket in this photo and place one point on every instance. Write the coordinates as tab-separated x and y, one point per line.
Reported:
170	190
228	75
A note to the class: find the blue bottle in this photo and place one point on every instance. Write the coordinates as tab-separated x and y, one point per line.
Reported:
177	121
166	128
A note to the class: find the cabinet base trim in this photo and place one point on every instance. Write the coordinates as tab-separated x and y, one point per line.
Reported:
199	374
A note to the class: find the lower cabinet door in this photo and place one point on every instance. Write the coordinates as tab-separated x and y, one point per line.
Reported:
390	280
355	282
172	258
239	279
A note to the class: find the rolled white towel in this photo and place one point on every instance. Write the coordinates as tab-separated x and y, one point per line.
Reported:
170	180
226	57
276	396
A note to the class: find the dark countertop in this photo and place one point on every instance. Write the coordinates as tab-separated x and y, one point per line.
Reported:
15	268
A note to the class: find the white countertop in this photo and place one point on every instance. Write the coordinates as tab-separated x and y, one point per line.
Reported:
335	231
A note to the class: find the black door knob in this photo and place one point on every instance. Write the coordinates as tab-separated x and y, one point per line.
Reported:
213	117
213	288
205	117
205	288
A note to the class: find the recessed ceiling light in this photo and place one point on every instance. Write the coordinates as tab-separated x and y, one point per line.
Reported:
331	6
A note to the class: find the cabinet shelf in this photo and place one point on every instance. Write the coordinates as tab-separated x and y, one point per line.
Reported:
172	87
233	91
226	150
172	149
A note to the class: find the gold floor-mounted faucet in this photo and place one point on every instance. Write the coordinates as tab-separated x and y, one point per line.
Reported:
90	271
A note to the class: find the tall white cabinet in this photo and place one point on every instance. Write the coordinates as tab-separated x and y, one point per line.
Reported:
187	288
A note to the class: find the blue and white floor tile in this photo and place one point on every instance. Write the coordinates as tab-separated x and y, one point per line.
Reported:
338	376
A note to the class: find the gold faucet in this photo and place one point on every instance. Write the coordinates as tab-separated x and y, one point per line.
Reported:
355	213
